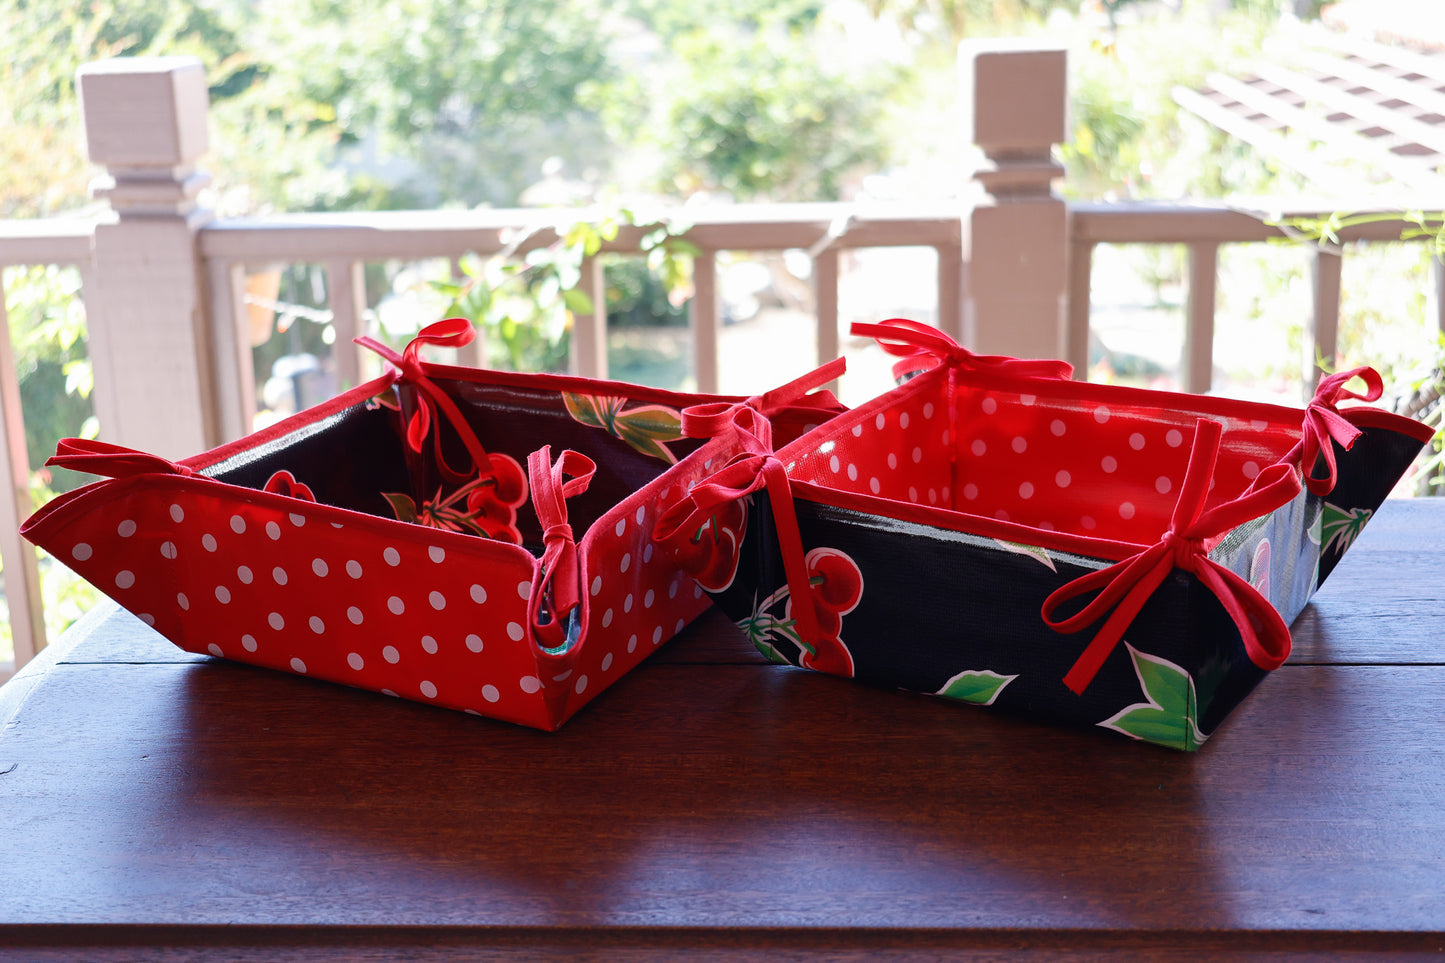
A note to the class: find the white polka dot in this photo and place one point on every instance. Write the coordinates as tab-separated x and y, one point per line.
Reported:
632	643
147	618
892	460
524	590
880	421
354	615
927	412
978	447
208	542
647	554
1109	464
641	513
244	574
316	624
355	660
657	636
238	524
318	566
178	514
276	621
933	496
970	491
1162	484
1088	522
607	662
1058	428
944	493
1026	490
596	584
1101	414
248	642
903	420
428	689
581	685
390	654
1136	441
627	603
1027	400
474	642
297	520
214	649
989	406
1174	438
1126	510
298	666
945	438
438	600
388	692
606	618
834	465
857	431
279	576
436	553
1251	469
917	455
1258	425
626	561
912	494
82	551
273	531
490	693
696	591
183	601
620	527
1020	444
392	556
1063	479
647	599
479	594
223	594
396	605
530	684
353	568
126	528
852	472
1001	515
515	632
681	624
874	486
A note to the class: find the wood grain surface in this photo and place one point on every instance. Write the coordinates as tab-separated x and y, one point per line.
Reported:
158	805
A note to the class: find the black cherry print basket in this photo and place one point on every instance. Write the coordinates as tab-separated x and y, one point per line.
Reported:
474	539
992	532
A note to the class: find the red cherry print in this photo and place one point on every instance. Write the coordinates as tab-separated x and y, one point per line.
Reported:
832	657
835	579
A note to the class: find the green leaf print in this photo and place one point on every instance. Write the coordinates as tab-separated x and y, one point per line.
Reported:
1168	718
647	428
1342	526
979	686
1032	551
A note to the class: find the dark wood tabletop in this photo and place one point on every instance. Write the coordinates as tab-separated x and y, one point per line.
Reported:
160	805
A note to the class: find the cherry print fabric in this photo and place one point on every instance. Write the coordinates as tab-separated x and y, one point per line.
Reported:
390	538
1081	554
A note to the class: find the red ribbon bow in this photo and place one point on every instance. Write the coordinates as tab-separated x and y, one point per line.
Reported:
713	418
1324	426
556	588
744	474
1125	586
922	347
409	367
112	461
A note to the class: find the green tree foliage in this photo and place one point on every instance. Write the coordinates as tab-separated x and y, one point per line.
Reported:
446	101
762	117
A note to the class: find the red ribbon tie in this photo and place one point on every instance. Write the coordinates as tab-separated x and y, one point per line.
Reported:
556	586
1125	586
922	346
1324	426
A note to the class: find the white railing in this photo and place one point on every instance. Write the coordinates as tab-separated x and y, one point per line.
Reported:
164	283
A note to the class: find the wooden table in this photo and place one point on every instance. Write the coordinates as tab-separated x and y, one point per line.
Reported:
176	806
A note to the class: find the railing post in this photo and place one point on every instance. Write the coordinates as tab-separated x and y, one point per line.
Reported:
1015	239
1197	358
145	122
1321	338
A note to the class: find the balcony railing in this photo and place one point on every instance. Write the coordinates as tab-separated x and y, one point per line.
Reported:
164	283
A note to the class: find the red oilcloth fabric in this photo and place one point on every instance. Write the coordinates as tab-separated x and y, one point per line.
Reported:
357	542
949	526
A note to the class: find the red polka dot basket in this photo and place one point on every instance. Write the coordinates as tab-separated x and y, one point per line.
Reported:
416	535
993	532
